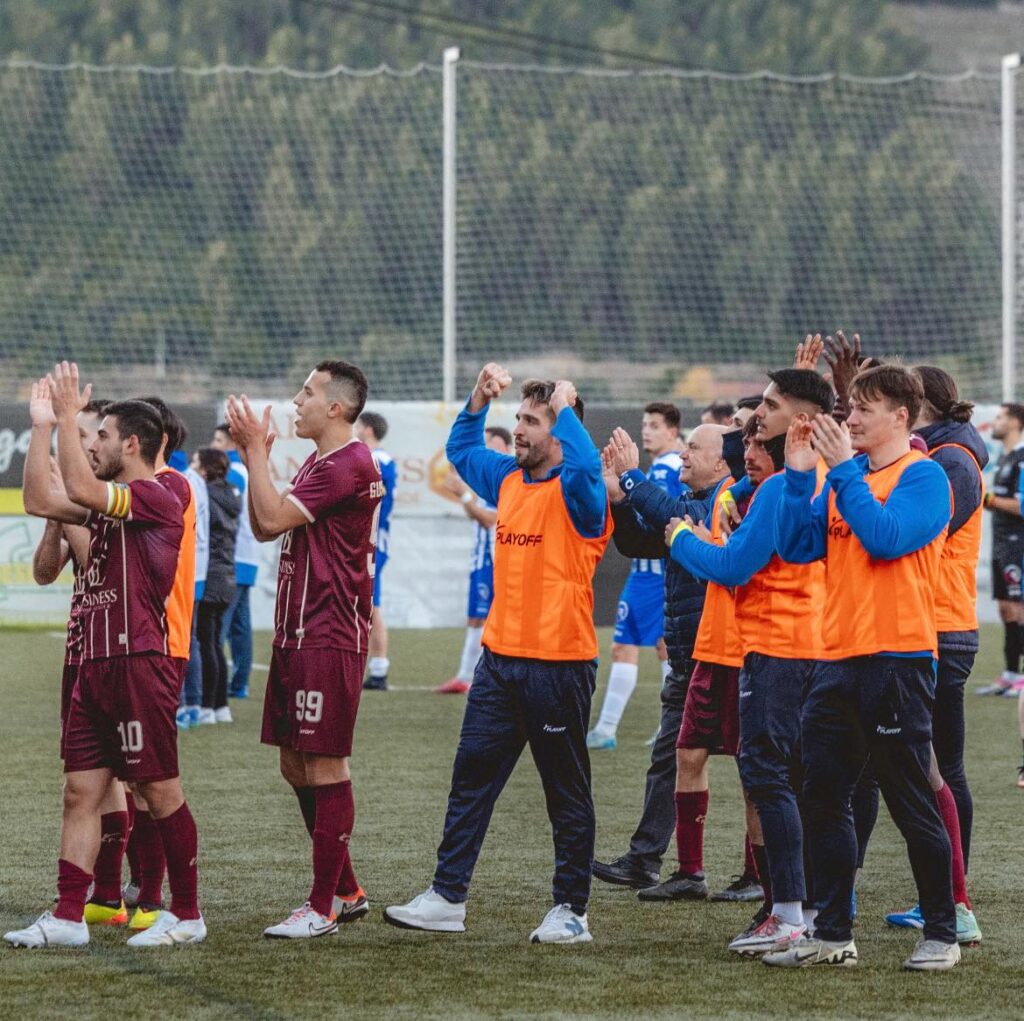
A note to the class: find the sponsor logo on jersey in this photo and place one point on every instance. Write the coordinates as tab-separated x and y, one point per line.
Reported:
506	538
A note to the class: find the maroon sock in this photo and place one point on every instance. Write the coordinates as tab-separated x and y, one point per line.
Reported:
181	849
691	808
761	863
348	885
335	813
113	838
307	806
749	861
131	851
150	863
947	809
72	889
130	809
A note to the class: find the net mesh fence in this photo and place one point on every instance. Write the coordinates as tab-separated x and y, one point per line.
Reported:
649	234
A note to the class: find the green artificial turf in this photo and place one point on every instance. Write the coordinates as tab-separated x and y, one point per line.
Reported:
646	961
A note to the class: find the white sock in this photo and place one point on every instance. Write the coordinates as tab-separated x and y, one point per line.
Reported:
379	666
621	683
810	914
666	668
789	911
471	651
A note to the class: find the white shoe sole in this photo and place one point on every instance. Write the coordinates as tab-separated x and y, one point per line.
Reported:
411	922
301	935
583	937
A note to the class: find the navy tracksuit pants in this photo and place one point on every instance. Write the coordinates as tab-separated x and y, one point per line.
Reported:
513	703
879	706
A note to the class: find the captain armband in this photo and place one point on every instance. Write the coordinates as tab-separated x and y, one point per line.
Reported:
119	500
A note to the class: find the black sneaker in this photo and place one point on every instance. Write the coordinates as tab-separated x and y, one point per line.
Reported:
742	888
678	886
624	871
376	683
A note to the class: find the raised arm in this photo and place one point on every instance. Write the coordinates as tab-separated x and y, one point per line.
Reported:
483	469
801	517
270	513
583	487
50	555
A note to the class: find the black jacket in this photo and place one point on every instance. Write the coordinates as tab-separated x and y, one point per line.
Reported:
965	482
225	508
640	532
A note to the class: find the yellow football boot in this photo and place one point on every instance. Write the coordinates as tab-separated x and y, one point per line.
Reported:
143	919
105	914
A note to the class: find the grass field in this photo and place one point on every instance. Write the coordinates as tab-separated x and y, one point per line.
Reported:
646	961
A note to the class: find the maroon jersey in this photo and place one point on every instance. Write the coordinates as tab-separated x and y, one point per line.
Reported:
133	554
74	645
325	578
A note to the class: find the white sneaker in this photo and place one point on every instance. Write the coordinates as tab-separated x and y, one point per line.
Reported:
223	715
562	925
169	930
303	923
771	936
48	931
206	716
807	951
931	955
429	911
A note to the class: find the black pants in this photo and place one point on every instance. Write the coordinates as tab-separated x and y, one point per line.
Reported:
879	706
513	703
658	820
215	664
771	693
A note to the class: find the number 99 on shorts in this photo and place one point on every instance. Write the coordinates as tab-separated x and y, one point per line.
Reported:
309	705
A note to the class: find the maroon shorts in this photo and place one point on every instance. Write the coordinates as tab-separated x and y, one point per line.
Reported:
122	718
68	679
711	713
312	699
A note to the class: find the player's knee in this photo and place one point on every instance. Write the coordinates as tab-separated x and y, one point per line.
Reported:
690	762
164	797
82	794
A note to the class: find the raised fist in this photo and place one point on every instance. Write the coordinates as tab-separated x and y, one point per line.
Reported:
492	382
563	396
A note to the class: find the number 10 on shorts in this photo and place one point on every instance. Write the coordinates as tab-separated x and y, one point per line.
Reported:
131	736
309	706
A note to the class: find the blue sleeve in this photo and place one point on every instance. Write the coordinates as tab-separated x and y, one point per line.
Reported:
914	513
654	506
389	476
801	518
748	550
743	490
582	485
483	470
237	479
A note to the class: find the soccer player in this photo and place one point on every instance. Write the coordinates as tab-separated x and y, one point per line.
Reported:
371	428
774	602
59	544
642	603
535	679
944	423
481	571
640	510
880	523
328	518
121	720
1003	502
238	619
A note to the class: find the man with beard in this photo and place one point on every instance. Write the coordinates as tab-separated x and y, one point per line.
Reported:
535	680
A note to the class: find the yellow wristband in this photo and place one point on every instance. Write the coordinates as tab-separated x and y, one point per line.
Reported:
683	526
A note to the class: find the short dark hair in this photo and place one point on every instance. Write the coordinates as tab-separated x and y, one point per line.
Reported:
668	411
804	385
141	420
97	406
377	424
501	432
750	427
222	427
214	463
751	403
720	411
540	390
352	381
1014	411
897	385
941	394
173	426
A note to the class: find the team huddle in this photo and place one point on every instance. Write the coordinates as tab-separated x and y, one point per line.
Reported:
813	561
